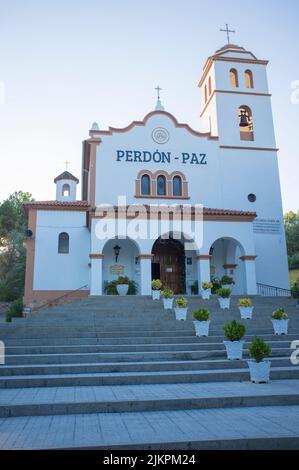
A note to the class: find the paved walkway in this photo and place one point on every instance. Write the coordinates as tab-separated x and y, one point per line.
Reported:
121	429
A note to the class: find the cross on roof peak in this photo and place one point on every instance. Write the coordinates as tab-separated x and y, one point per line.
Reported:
66	164
158	89
227	31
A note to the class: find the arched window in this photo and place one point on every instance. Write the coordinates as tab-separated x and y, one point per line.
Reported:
66	190
245	123
233	74
63	242
177	186
161	185
145	185
206	94
210	85
248	79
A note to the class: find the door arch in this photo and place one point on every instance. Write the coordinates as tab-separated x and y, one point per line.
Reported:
168	263
225	253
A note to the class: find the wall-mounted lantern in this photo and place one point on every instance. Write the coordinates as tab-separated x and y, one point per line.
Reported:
116	249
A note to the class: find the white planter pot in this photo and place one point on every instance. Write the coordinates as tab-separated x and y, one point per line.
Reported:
156	294
224	303
259	371
202	327
280	327
205	293
122	289
180	313
234	349
246	312
167	303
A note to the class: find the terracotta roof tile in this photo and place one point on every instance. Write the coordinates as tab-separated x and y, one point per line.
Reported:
56	204
85	205
210	211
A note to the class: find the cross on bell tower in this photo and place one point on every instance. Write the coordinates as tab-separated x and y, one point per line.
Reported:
227	31
66	164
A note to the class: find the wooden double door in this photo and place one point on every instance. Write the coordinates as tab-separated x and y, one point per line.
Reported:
167	264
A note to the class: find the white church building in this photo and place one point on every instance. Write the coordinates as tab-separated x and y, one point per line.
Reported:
161	200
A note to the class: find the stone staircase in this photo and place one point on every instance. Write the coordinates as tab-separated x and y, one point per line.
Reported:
121	372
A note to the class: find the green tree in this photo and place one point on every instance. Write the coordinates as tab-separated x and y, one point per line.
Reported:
291	222
13	225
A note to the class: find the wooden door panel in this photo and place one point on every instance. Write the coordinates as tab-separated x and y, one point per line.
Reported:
168	257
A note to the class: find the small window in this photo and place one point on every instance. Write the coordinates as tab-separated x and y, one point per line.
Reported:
177	186
145	185
210	85
66	190
234	82
251	197
248	79
63	242
206	94
161	185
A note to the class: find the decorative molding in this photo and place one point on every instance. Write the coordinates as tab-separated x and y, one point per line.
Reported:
233	92
96	256
230	266
112	130
145	256
211	59
153	185
263	149
199	257
248	257
254	93
159	211
148	196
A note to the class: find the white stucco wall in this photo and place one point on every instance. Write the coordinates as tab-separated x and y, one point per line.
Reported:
118	177
55	271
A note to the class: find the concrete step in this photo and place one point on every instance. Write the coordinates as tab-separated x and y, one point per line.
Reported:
130	398
213	429
126	378
278	348
140	366
44	346
100	358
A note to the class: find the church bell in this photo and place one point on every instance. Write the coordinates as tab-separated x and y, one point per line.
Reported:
243	119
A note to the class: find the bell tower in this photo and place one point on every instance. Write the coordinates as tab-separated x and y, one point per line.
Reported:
66	187
235	100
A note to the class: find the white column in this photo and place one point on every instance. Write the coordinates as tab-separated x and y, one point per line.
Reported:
250	275
203	270
96	274
145	274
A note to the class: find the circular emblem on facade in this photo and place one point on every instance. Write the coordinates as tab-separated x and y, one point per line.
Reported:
160	135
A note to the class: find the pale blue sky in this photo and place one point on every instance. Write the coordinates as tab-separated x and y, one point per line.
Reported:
67	63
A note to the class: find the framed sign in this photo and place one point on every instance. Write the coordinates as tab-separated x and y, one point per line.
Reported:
117	269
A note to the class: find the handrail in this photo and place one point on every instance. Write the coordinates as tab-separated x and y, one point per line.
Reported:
57	298
272	291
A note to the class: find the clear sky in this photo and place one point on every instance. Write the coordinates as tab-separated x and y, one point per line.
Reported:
67	63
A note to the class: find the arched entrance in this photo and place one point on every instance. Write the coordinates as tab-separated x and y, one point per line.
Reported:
225	260
121	258
168	264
